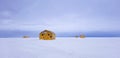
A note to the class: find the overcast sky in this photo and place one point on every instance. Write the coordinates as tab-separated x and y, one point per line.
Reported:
60	16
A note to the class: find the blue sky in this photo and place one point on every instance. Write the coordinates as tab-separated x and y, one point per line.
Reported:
64	17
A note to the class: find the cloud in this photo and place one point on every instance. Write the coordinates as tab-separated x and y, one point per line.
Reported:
6	21
5	14
74	16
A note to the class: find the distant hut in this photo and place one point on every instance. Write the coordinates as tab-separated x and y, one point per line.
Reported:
82	36
76	36
25	36
47	35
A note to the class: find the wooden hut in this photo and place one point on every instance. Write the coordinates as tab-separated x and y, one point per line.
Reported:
25	36
76	36
82	36
47	35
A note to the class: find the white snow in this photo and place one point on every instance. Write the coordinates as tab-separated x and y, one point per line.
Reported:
62	47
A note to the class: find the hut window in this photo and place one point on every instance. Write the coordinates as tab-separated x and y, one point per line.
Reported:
42	34
50	36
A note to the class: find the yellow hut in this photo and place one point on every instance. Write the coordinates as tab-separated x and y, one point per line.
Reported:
82	36
47	35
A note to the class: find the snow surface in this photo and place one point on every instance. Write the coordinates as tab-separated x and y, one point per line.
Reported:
62	47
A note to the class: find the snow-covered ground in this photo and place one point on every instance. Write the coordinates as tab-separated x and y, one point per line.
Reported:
62	47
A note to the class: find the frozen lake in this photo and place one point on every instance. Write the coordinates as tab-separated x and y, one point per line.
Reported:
62	47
